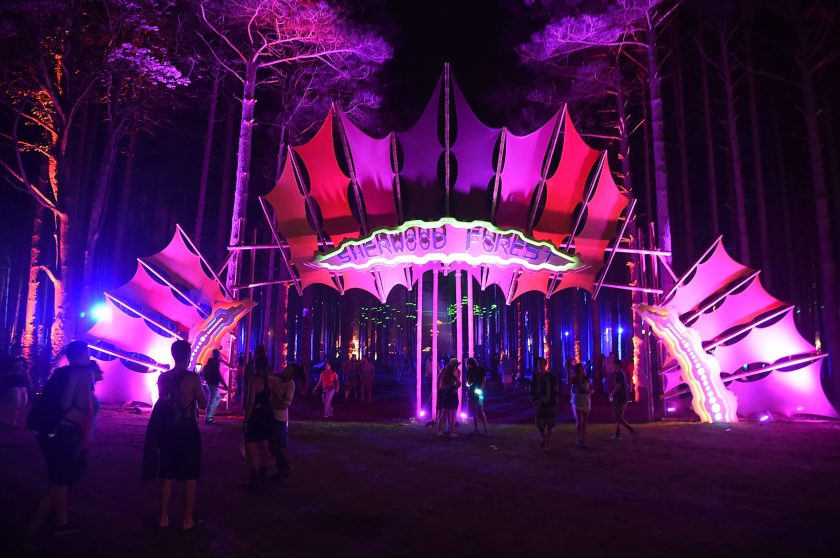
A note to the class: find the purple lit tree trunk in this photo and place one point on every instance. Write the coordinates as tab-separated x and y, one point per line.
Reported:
205	161
243	174
679	113
734	150
660	168
711	166
763	231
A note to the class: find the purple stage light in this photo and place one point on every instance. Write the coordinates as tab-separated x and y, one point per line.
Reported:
671	409
764	418
422	413
463	415
100	312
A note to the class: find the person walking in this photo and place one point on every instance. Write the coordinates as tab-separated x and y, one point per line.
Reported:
476	380
213	377
352	375
258	424
581	399
328	382
282	392
544	396
620	396
367	372
61	417
448	384
173	435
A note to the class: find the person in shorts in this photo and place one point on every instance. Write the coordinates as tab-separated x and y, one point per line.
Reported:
62	443
581	399
259	422
544	396
448	384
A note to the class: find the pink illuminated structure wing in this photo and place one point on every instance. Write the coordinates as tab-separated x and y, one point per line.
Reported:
502	277
523	161
131	334
122	384
712	274
363	280
786	393
147	292
183	266
422	195
473	149
372	162
565	188
532	281
736	309
390	277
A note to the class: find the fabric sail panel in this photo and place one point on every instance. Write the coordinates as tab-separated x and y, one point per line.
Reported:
523	161
565	188
120	384
501	277
363	280
182	266
787	393
591	253
372	163
290	207
390	277
736	309
142	289
421	192
473	150
127	333
327	183
710	276
532	281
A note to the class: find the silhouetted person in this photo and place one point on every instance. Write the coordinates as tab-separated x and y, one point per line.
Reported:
581	389
544	396
173	440
476	380
619	396
366	374
282	392
448	384
213	377
258	423
62	418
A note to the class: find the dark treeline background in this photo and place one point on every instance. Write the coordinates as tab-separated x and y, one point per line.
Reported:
748	124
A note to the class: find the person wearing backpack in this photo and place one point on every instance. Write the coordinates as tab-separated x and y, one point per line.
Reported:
173	442
61	416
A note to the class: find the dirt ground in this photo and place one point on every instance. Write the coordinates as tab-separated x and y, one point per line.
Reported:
391	488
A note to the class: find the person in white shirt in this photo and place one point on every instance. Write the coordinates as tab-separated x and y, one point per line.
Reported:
282	392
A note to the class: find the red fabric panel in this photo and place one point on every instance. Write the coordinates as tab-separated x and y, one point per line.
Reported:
183	267
328	185
421	194
565	187
473	149
144	290
372	162
604	209
716	272
591	253
523	161
290	208
532	281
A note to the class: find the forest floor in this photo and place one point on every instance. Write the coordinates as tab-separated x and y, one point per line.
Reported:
391	488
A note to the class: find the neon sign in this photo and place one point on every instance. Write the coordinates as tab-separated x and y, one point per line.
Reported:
701	371
208	335
447	241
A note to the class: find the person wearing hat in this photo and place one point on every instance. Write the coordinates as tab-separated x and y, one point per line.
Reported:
213	377
448	384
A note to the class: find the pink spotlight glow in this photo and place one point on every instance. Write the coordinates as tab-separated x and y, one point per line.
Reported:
463	415
764	418
800	409
422	413
671	409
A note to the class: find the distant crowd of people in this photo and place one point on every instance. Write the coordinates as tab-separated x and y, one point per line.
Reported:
64	414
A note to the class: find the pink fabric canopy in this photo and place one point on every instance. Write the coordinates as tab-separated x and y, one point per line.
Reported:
523	161
183	266
736	309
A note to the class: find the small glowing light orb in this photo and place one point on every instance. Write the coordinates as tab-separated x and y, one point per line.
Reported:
100	312
716	407
671	409
422	413
478	391
800	409
620	330
764	418
719	416
712	399
463	415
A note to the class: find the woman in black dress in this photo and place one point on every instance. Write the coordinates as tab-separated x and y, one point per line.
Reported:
258	423
449	382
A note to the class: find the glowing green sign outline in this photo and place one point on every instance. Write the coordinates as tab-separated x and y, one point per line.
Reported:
443	258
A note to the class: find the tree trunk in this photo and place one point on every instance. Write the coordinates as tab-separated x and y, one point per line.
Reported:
243	175
663	218
125	214
205	162
679	113
734	152
225	185
711	165
790	259
763	231
30	340
831	321
63	316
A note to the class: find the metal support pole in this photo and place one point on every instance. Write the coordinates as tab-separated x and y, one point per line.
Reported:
433	411
459	332
419	355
